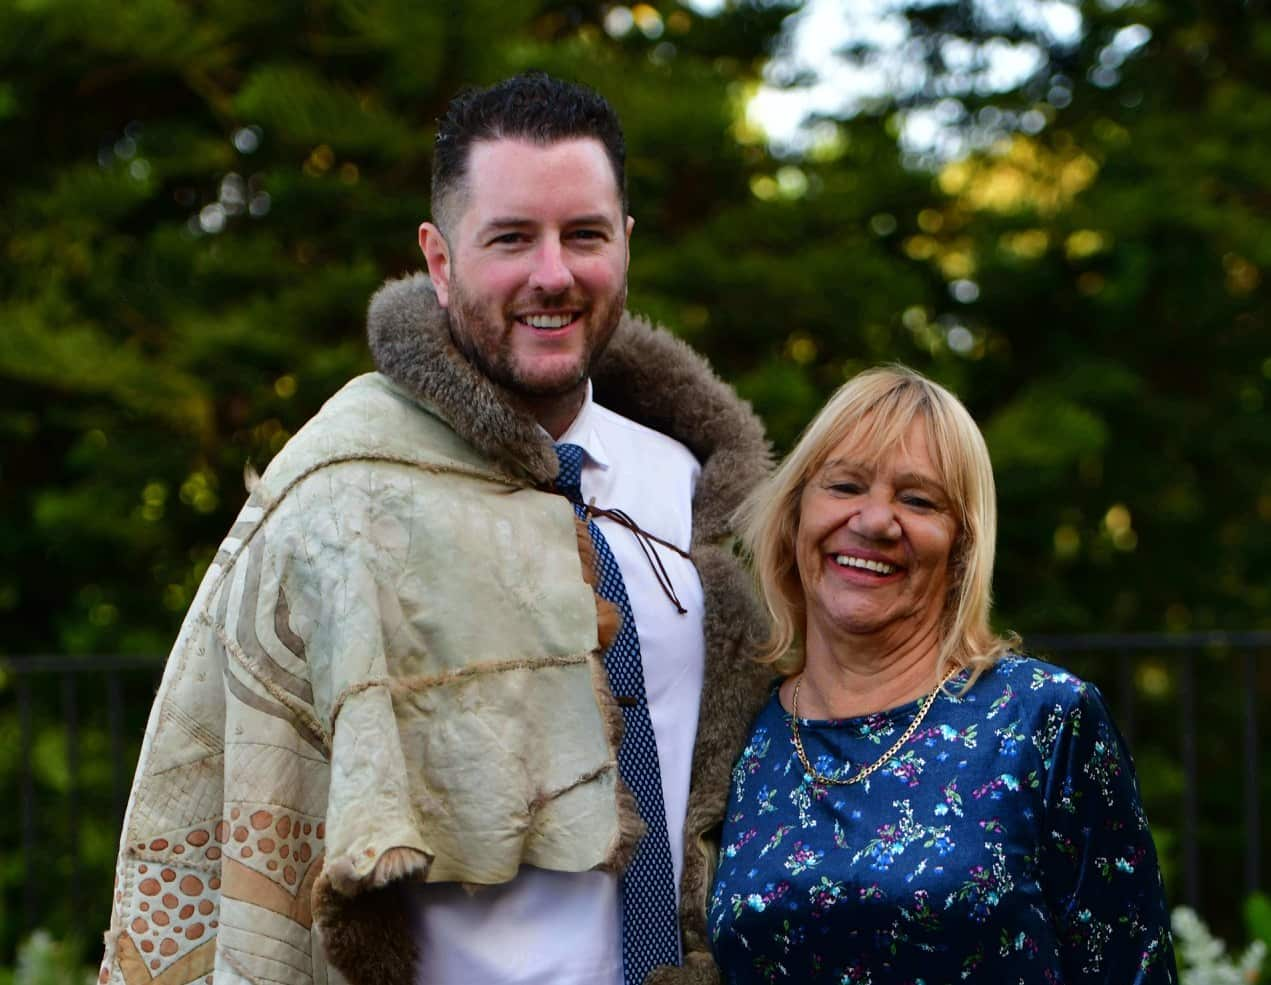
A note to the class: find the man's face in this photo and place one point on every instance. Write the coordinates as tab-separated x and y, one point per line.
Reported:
534	270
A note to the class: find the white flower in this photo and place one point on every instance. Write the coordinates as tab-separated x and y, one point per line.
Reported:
1203	959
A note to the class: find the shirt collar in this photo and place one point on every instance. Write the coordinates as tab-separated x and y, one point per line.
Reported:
583	432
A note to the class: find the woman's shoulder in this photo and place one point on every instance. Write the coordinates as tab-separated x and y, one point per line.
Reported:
771	711
1035	681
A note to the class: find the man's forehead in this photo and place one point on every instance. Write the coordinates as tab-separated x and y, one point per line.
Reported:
505	170
513	144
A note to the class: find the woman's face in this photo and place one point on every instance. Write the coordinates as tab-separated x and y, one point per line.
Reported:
873	546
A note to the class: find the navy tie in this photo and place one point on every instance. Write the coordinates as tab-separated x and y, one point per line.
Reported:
650	932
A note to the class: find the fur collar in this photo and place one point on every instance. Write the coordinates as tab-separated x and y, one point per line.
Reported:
645	374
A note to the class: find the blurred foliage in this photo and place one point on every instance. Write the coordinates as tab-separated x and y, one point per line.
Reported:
45	961
196	202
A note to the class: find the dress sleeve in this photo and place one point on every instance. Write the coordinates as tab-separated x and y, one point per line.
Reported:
1098	864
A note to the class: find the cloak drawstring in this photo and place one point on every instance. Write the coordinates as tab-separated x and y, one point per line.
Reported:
646	541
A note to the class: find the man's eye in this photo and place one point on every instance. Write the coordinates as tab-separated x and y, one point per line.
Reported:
508	239
587	234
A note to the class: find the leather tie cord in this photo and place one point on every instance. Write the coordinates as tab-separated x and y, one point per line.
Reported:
645	539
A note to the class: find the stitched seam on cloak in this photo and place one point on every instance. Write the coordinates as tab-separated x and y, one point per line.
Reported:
170	859
256	743
409	685
237	968
541	801
281	695
276	804
247	929
183	720
266	957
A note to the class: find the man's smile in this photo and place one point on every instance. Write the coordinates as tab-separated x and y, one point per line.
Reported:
549	322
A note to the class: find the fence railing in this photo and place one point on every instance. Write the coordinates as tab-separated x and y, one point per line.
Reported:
78	723
55	697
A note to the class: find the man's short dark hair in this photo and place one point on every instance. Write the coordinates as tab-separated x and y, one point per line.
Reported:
532	106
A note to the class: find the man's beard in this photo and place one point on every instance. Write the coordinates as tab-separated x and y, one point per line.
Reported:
486	344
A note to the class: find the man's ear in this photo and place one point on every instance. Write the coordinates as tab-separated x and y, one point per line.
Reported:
630	226
437	256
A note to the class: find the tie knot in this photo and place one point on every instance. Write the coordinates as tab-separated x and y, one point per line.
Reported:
569	478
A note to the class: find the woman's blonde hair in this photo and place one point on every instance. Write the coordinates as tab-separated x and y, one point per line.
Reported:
878	407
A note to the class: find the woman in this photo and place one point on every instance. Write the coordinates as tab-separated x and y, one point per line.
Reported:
917	803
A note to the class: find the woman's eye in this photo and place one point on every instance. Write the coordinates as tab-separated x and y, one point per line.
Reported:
919	502
847	488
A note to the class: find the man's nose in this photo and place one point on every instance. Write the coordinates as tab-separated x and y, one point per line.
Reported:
551	273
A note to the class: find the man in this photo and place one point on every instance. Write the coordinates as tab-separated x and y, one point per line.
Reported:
393	743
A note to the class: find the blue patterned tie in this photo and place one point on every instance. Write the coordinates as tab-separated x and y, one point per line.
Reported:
650	934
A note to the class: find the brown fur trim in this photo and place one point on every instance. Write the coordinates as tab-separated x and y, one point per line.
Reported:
631	828
367	937
409	337
399	863
608	618
608	622
586	550
734	690
698	969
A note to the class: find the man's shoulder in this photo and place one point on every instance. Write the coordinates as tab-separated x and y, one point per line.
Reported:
372	420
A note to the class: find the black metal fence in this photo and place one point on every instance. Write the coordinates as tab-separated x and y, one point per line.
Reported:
78	723
70	732
1233	735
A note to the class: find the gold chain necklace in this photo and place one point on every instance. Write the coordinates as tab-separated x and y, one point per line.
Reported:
876	764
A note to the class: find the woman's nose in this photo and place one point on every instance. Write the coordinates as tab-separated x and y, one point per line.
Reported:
876	519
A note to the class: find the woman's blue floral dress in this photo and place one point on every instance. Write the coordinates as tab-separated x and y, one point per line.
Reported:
1005	843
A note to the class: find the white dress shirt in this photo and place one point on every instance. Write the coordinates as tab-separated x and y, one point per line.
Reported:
564	928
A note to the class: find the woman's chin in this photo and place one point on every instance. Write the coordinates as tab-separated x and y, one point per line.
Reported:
844	628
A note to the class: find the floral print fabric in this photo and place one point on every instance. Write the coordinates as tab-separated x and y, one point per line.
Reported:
1005	843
